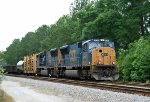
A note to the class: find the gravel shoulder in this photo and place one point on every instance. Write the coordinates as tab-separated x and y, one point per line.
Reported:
29	90
26	94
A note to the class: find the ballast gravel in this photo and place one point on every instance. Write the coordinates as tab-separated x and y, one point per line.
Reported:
69	93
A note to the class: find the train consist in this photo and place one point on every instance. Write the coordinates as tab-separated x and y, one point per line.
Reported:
91	59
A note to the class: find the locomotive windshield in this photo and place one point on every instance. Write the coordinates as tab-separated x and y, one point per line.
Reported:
108	44
96	44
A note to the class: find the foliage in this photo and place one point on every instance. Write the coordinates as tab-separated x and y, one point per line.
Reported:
1	72
134	63
2	62
12	55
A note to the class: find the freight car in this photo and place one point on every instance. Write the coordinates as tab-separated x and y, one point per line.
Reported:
20	66
93	58
13	69
10	69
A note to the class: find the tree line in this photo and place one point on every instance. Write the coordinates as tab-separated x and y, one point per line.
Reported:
126	22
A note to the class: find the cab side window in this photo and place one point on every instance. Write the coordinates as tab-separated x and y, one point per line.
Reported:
85	47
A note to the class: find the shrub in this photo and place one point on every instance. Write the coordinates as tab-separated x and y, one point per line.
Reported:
2	73
134	63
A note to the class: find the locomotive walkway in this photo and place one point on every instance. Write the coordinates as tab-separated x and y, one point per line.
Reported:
141	89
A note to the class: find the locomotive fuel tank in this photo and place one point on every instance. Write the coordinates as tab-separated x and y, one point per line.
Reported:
72	73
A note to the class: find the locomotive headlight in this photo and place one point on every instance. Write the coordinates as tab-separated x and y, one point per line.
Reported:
99	61
113	62
89	62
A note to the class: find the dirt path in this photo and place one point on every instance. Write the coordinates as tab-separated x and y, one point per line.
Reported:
25	94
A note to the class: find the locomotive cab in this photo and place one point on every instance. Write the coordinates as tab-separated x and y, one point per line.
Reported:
42	63
100	56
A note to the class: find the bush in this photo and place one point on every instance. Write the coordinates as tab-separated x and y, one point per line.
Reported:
2	73
134	63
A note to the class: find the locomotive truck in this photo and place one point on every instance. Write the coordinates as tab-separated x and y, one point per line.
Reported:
90	59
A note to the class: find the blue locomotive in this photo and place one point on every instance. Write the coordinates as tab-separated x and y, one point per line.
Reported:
88	59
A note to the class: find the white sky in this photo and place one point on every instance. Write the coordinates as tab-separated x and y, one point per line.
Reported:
17	17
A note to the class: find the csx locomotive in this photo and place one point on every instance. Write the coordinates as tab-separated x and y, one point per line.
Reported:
91	59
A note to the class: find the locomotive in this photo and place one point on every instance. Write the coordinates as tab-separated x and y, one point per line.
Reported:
90	59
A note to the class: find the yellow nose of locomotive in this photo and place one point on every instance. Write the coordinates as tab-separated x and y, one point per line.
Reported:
103	56
104	64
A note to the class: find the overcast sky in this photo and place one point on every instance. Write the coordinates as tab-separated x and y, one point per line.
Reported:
17	17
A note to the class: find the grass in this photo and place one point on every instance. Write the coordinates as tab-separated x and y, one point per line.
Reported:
4	97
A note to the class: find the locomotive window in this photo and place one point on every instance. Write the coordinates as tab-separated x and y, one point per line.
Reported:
93	45
79	45
106	44
85	47
109	44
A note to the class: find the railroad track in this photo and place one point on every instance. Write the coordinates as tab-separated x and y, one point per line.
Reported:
143	89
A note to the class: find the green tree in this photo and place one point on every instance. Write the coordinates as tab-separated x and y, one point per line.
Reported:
12	55
138	11
28	44
2	72
134	63
62	33
2	62
77	5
